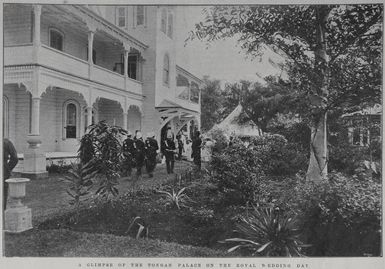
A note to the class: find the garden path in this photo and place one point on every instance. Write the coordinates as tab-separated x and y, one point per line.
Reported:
47	197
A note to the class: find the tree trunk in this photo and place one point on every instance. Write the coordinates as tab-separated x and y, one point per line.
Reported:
317	169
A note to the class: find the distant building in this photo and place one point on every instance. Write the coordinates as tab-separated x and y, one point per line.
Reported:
68	66
364	125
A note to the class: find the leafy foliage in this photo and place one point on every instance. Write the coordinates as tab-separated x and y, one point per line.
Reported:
176	199
268	232
237	171
278	157
212	100
101	147
332	53
80	178
340	217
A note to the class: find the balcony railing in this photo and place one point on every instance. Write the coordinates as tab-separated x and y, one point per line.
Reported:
63	62
69	64
17	55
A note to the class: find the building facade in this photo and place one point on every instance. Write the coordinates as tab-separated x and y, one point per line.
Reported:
68	66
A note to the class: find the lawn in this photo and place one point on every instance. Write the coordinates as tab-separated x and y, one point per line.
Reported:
65	243
48	197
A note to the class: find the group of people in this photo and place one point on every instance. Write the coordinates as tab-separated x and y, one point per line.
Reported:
139	153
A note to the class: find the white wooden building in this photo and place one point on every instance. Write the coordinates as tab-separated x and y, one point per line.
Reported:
68	66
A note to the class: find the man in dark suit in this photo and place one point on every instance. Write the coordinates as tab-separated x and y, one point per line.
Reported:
196	149
168	150
151	152
128	153
9	162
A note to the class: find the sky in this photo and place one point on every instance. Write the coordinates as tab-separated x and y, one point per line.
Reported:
223	59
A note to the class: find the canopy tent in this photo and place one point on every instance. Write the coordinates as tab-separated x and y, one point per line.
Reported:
232	126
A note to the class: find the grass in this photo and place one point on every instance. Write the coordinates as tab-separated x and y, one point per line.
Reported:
65	243
48	197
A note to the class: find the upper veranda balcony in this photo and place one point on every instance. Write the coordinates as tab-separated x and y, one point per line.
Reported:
72	40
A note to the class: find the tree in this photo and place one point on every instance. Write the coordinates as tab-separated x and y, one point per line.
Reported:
211	103
333	56
260	102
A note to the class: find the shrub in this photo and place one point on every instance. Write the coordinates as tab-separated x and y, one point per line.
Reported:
221	141
341	217
278	157
236	171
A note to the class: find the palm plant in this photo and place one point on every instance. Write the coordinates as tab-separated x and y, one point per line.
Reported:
267	232
101	147
80	179
176	199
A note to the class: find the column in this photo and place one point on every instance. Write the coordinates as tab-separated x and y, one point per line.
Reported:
36	33
89	116
34	157
35	116
126	51
125	116
188	130
90	50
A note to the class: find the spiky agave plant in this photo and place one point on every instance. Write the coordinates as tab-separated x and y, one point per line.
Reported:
268	232
176	199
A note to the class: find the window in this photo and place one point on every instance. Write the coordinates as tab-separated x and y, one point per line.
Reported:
166	69
5	117
140	15
183	84
56	39
121	16
132	66
167	23
194	93
164	21
70	119
170	26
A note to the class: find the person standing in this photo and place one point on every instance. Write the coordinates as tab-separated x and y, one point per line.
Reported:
10	160
128	153
180	146
168	150
196	149
139	153
151	146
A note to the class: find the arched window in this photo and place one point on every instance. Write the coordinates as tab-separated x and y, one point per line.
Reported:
71	119
166	69
164	21
56	39
170	25
5	117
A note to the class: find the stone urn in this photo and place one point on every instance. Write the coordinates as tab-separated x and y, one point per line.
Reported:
18	218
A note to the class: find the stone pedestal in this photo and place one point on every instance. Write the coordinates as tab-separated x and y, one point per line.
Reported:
34	159
18	218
